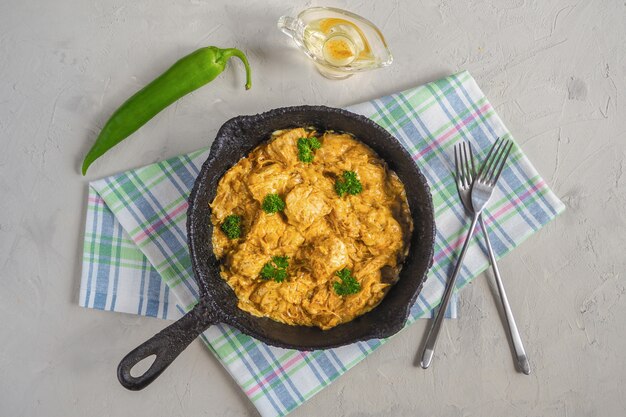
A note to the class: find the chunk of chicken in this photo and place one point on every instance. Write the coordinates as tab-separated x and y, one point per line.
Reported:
247	260
267	179
304	205
284	147
344	219
290	240
325	256
380	231
266	231
334	146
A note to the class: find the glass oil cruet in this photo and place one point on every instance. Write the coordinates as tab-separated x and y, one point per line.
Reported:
339	42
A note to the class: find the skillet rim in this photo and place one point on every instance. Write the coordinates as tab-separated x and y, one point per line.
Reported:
397	323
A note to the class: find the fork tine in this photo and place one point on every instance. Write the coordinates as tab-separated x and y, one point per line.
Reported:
485	168
471	157
456	164
468	177
497	161
490	162
468	162
502	165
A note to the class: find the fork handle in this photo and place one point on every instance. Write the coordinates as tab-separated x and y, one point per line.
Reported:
522	359
433	333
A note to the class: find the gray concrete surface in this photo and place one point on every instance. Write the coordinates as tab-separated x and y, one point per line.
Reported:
556	73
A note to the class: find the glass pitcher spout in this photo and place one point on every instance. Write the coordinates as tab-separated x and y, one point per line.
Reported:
294	28
291	26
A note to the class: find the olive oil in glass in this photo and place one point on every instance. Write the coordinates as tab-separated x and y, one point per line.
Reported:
339	42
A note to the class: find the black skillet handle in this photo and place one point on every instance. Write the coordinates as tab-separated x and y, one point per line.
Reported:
166	345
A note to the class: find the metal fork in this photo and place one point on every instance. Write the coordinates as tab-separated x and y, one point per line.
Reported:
465	193
482	187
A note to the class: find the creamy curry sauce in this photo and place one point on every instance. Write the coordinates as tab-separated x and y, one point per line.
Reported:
318	230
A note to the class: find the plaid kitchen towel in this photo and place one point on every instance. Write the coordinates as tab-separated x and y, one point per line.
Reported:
135	252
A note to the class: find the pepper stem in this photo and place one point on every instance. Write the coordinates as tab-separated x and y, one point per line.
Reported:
227	53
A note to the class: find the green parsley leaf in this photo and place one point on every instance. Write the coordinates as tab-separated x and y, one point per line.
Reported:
348	284
314	143
276	269
268	271
280	275
306	146
232	226
281	261
272	203
350	184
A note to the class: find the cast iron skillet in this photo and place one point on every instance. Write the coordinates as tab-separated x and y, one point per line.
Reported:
218	303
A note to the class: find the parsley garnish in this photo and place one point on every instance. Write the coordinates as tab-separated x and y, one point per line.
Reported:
272	203
348	285
232	226
306	146
349	184
276	269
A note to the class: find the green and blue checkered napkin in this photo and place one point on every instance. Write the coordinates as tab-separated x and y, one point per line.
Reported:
135	251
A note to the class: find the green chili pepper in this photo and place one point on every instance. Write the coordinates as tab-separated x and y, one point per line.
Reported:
188	74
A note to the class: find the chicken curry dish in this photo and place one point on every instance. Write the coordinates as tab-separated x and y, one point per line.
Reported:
311	228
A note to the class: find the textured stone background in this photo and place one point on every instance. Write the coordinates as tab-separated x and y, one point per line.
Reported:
554	70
